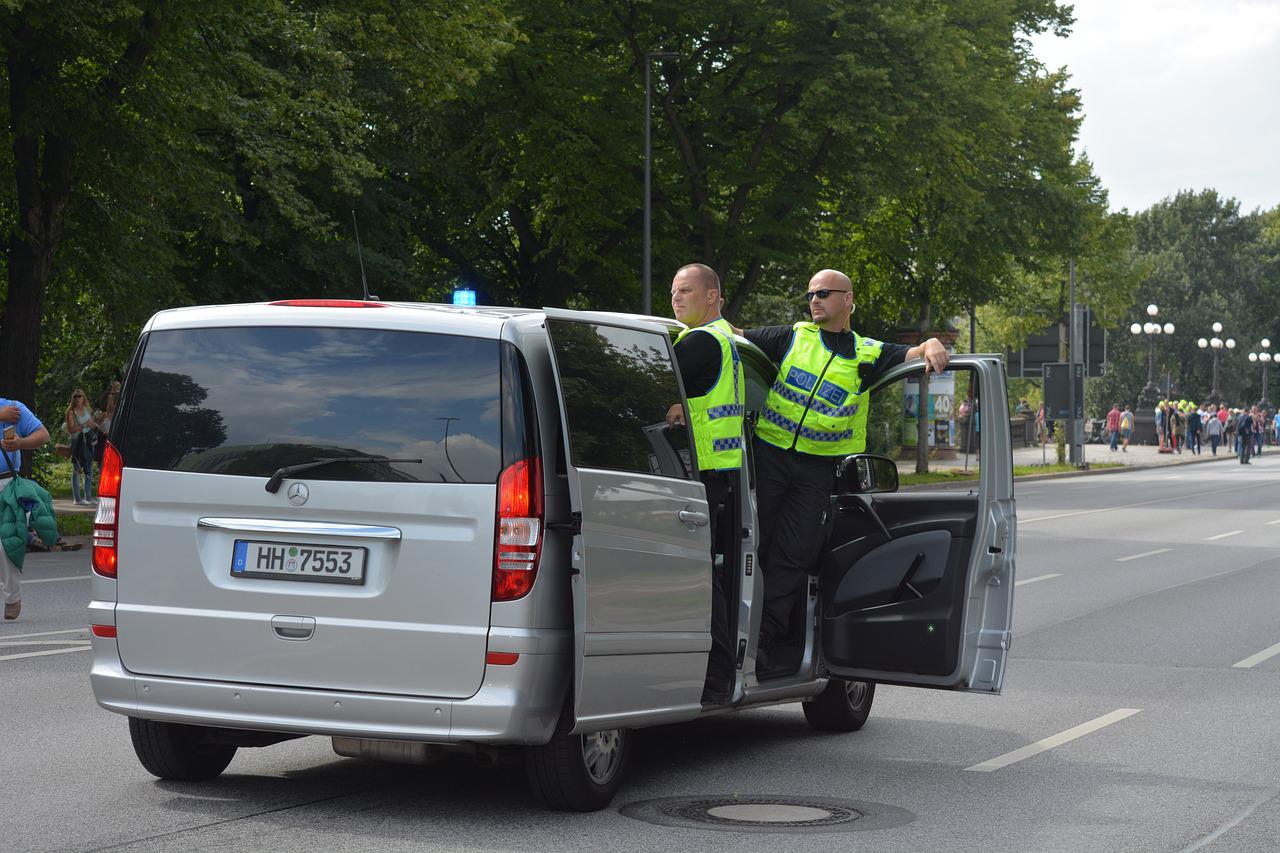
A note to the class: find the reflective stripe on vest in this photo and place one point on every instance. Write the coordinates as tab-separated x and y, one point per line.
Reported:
816	404
716	417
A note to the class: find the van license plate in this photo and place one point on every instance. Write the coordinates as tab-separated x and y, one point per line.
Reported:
295	562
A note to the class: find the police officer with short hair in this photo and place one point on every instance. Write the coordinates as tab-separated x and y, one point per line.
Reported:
814	416
714	384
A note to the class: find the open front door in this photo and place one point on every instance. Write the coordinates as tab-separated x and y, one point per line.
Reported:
641	560
917	587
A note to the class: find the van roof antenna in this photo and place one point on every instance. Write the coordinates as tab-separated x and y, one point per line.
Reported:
360	254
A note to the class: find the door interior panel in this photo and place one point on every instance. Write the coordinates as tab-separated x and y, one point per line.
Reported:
896	604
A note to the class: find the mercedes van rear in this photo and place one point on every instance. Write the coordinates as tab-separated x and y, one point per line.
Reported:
318	497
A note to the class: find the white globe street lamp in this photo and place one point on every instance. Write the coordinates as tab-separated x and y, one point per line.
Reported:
1265	358
1150	393
1216	344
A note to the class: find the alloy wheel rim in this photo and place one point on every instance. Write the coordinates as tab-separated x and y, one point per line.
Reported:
601	754
856	691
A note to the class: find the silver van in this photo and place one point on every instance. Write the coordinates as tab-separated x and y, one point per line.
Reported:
418	529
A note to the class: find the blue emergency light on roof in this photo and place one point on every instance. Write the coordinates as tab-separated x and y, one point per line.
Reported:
463	296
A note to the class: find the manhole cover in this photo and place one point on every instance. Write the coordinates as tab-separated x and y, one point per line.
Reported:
768	814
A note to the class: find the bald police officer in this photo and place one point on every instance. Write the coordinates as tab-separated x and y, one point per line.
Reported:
814	416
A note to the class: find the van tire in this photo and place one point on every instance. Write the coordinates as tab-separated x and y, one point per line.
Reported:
178	752
559	774
843	707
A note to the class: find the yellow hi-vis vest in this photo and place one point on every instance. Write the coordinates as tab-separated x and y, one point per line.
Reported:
716	417
816	404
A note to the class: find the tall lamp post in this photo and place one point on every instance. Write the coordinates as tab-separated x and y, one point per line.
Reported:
646	278
1150	393
1266	358
1216	344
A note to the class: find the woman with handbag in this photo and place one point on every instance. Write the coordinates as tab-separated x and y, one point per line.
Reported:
80	426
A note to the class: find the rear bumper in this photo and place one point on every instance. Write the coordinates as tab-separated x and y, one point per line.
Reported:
517	704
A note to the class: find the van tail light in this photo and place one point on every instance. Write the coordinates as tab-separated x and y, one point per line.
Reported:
105	523
517	541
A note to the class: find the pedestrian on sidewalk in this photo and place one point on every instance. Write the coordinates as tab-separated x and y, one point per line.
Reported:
1126	427
1213	427
1113	425
1042	431
81	427
1258	422
22	431
1173	427
1161	425
1193	430
1244	436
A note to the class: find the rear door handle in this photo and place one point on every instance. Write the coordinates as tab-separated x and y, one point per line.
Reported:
689	516
293	627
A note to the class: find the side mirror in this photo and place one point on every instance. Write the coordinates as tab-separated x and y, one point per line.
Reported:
866	474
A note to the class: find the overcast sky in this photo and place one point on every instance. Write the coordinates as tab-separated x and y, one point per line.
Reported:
1178	94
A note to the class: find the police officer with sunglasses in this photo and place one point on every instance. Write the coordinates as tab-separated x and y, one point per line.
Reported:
814	416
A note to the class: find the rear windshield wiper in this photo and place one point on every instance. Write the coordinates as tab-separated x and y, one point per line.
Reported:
273	485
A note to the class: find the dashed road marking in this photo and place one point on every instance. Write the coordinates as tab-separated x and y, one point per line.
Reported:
1277	521
1054	740
1143	554
49	652
42	642
1254	660
1223	535
1038	578
44	634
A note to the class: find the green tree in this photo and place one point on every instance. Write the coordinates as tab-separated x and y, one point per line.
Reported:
165	149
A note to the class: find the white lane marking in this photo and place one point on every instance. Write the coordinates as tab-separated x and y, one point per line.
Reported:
42	654
1222	535
44	634
1022	521
1054	740
1254	660
1038	578
41	642
1143	554
1277	521
55	580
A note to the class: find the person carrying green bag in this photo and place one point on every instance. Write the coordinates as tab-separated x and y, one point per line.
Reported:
22	430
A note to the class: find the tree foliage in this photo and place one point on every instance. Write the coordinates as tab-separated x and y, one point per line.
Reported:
172	152
1203	262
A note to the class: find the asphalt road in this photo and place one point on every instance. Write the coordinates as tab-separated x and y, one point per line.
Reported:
1146	603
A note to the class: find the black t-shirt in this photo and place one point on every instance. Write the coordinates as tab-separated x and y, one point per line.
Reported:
775	341
698	357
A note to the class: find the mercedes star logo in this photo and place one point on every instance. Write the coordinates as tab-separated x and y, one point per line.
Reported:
298	494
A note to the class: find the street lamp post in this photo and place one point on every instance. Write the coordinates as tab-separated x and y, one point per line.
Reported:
1216	344
1150	393
646	269
1266	358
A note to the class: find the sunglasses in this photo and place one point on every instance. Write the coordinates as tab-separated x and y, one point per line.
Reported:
821	294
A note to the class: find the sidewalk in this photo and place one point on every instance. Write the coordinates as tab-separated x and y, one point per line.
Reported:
66	506
1139	456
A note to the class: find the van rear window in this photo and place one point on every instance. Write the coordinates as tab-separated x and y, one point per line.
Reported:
250	400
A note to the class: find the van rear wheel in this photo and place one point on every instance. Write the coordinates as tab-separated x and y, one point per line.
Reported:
843	707
178	752
578	773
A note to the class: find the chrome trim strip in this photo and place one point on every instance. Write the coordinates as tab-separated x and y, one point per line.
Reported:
305	528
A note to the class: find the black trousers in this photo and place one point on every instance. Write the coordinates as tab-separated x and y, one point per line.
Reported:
723	661
793	491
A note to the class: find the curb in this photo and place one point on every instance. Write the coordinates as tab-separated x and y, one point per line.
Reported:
1062	475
